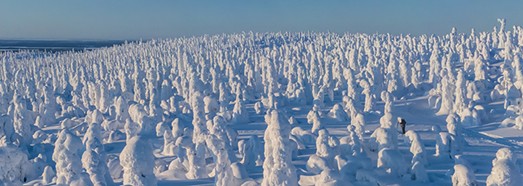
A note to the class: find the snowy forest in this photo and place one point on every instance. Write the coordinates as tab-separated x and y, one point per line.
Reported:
270	109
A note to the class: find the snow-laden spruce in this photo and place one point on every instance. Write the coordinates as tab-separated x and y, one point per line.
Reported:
251	152
391	160
15	167
323	159
386	135
223	155
505	170
137	161
94	157
416	148
277	167
67	156
463	176
351	145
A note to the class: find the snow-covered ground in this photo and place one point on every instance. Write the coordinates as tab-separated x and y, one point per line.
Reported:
267	109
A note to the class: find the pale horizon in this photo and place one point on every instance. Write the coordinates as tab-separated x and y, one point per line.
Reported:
135	20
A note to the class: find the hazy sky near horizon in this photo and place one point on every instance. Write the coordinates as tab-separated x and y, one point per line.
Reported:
135	19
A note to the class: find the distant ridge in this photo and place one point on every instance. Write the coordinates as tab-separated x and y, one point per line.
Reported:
56	45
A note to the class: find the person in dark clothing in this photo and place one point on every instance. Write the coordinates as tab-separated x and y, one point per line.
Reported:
402	123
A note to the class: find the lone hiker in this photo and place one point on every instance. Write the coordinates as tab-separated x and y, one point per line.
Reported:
402	123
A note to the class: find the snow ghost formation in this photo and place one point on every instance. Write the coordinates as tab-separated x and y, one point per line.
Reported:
463	176
137	161
14	166
67	155
277	167
504	169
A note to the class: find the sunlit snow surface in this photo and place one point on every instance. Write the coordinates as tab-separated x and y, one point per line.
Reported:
194	111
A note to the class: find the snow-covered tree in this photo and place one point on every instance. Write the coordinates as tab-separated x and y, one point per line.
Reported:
22	121
240	115
48	175
122	109
351	145
7	130
67	155
196	161
137	160
392	162
463	176
196	153
93	160
359	125
313	117
504	169
447	93
443	145
325	153
338	113
169	144
456	135
367	91
218	144
416	148
14	166
386	135
419	173
94	157
252	152
277	167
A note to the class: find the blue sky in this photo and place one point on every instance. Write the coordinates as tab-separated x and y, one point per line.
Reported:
135	19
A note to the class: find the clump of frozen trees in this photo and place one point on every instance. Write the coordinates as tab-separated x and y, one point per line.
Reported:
67	155
191	95
504	169
15	167
137	161
277	167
